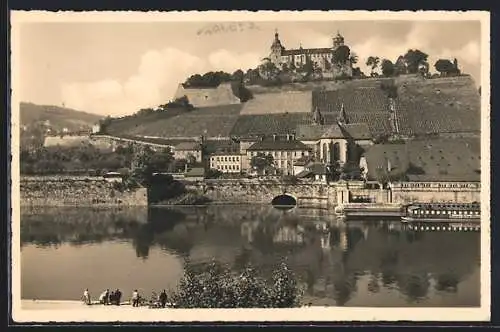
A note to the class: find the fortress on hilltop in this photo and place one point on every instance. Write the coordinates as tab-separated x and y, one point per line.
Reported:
323	58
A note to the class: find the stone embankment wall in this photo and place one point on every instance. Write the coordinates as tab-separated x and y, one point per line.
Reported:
68	191
241	191
465	192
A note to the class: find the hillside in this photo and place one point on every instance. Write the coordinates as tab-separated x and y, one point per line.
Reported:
420	107
57	117
38	120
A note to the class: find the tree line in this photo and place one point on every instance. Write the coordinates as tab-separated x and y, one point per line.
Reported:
414	61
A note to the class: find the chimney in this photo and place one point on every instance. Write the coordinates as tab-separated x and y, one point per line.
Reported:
287	137
274	137
185	168
389	166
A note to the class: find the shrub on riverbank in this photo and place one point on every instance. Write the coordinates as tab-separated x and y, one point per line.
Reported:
216	287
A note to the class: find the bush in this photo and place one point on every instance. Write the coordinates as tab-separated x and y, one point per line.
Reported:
214	286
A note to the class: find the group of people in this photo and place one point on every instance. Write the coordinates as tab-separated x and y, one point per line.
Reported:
106	297
114	298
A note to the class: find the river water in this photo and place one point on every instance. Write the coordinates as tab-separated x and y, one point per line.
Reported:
361	263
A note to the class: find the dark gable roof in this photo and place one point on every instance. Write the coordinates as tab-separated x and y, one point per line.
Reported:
278	145
221	146
356	131
456	159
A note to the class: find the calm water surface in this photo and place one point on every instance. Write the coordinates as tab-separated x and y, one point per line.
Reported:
376	263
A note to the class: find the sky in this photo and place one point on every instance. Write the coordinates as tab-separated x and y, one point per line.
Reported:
116	68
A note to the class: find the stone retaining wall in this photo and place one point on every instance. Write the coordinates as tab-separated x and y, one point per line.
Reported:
55	191
263	192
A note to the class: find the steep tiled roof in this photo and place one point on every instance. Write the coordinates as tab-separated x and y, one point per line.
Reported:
282	102
309	132
221	146
269	123
332	131
456	159
357	131
278	145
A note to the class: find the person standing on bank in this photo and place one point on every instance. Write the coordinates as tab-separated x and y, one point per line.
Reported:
135	298
163	298
118	297
86	297
107	297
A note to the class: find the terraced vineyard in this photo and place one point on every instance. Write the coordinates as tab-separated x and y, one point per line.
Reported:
270	123
354	100
209	121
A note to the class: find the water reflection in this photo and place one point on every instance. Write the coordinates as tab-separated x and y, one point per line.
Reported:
339	264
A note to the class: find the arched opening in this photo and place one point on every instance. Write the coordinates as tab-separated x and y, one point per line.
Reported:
325	152
284	201
336	152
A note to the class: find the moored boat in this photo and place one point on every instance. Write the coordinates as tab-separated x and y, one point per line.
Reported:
443	212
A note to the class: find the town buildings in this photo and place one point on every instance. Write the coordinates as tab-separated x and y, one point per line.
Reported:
284	150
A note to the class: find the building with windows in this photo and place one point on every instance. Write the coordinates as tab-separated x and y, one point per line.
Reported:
285	150
226	162
186	150
322	58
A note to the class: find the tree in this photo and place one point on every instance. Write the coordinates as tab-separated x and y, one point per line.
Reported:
414	59
261	161
341	54
373	62
387	68
400	66
353	59
445	67
216	286
308	67
238	75
268	71
356	72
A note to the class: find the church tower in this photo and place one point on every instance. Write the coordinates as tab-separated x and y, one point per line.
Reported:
338	40
276	50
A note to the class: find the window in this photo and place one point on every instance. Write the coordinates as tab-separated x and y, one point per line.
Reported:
218	159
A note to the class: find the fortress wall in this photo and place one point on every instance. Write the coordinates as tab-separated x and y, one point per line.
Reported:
222	95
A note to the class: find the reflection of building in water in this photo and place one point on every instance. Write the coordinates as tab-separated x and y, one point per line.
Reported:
288	234
325	241
247	229
343	243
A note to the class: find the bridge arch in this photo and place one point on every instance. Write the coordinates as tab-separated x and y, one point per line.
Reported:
284	200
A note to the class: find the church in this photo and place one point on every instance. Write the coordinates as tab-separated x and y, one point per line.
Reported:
322	58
